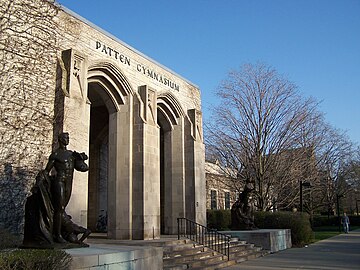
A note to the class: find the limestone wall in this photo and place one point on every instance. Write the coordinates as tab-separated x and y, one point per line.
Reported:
27	93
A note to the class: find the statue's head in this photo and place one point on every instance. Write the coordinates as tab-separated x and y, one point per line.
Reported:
63	138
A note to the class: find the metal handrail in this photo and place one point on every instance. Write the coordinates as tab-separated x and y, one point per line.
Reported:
204	236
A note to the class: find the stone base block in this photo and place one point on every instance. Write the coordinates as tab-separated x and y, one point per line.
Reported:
270	239
114	257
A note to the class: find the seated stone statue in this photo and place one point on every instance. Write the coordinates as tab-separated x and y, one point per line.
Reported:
242	215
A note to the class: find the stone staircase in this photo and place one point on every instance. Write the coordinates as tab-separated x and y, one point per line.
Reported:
186	254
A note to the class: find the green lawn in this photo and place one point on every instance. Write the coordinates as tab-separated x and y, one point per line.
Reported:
321	233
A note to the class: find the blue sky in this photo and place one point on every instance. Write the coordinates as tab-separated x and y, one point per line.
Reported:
314	43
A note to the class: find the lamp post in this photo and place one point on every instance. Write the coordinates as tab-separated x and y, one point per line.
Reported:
338	209
302	184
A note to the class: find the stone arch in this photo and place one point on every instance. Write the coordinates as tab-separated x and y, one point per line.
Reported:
110	95
113	81
171	119
170	110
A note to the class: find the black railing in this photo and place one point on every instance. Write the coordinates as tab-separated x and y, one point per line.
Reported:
204	236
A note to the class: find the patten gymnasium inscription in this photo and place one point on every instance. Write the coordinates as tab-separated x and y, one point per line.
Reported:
118	56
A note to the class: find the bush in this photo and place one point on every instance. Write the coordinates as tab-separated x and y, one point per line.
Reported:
321	221
354	220
39	259
29	259
219	219
298	223
8	240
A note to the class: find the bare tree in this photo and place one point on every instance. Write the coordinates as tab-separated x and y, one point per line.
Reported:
335	161
255	130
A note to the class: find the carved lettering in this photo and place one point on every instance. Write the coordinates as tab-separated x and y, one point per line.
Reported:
112	53
110	50
104	49
122	58
138	67
116	54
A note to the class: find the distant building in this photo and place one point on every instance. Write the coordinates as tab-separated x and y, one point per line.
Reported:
221	191
292	166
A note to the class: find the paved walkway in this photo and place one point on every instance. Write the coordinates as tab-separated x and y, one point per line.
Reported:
339	252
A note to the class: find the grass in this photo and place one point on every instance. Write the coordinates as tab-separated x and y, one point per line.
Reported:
321	233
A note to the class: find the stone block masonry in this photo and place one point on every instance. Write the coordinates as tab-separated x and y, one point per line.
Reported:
27	94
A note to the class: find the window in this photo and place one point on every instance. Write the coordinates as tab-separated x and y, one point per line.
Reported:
227	200
213	199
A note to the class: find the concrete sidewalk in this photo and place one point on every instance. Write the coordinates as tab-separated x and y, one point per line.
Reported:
339	252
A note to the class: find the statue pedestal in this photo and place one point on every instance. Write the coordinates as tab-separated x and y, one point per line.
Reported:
270	239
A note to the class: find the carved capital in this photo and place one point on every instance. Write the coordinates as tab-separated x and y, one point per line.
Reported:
195	117
75	66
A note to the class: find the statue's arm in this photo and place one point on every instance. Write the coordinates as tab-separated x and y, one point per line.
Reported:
50	163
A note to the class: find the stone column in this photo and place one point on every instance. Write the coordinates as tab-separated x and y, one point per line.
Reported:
146	167
174	177
120	172
76	121
195	169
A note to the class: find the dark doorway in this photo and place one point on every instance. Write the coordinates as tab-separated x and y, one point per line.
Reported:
98	160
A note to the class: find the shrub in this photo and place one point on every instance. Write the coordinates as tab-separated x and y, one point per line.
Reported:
219	219
320	221
8	240
354	220
39	259
299	223
29	259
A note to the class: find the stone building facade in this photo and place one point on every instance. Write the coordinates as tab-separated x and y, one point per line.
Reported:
139	122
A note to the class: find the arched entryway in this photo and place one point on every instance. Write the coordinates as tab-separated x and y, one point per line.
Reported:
98	162
170	118
109	95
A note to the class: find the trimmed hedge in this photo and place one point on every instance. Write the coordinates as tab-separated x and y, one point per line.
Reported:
219	219
319	221
299	223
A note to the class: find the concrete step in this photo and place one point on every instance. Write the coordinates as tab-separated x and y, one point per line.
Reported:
195	256
208	261
184	252
247	256
189	257
179	247
175	267
241	247
218	265
215	262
